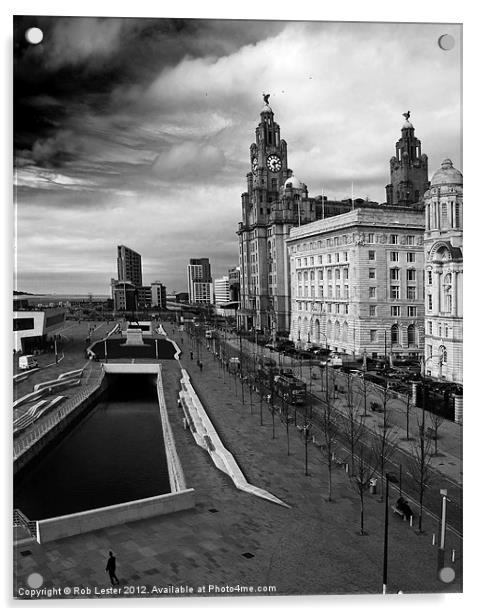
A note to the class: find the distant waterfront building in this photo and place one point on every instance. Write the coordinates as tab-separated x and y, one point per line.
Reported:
275	202
357	282
124	295
200	285
444	274
158	295
129	265
144	297
221	290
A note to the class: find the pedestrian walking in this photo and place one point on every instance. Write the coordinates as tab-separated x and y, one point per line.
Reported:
192	356
110	568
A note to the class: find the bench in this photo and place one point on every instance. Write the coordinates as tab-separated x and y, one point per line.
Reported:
398	511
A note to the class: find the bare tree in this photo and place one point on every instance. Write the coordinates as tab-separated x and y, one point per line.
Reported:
436	421
420	466
329	432
362	474
385	440
351	426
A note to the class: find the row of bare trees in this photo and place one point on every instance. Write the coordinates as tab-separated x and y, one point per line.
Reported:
342	416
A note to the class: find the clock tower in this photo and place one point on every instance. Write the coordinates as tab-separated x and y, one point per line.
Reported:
260	306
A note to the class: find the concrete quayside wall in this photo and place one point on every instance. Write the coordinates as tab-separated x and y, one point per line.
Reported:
179	498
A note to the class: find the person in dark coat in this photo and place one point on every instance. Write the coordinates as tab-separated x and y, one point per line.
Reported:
110	568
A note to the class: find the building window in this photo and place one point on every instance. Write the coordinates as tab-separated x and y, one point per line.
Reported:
411	275
329	274
337	257
329	258
411	311
345	256
346	308
394	334
410	240
393	239
394	292
372	273
346	291
430	327
372	311
411	293
373	335
395	311
446	330
371	255
372	292
457	216
371	238
410	257
429	277
337	291
429	302
320	259
395	274
393	256
337	274
411	337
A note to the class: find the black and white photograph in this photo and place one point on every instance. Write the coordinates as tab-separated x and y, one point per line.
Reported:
237	307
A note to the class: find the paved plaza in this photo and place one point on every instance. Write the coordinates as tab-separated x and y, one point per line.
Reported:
232	538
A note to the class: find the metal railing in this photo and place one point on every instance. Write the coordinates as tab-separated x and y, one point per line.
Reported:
21	520
24	442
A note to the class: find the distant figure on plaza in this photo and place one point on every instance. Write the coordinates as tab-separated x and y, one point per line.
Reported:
201	366
110	568
192	356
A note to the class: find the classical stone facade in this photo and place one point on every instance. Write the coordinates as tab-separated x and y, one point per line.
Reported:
357	282
444	274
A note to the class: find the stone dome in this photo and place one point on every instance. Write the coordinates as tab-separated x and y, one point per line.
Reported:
447	174
407	124
294	181
266	109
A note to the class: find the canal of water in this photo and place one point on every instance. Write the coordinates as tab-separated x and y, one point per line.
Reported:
114	455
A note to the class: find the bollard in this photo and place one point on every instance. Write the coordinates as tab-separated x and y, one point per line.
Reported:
346	468
433	539
411	520
453	556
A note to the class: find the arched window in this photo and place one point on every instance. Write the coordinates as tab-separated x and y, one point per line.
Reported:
345	332
442	354
395	334
411	335
337	330
447	292
317	330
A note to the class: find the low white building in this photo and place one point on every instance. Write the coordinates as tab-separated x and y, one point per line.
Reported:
357	282
31	328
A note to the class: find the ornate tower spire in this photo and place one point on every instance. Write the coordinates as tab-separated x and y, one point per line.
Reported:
408	169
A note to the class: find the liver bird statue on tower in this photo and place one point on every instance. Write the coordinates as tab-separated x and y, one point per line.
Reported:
266	98
406	115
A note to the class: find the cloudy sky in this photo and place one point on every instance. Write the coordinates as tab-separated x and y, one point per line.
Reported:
137	131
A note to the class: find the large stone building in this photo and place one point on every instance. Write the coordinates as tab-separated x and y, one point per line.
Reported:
444	274
357	279
357	282
274	202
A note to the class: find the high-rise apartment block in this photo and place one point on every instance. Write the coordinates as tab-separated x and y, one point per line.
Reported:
200	284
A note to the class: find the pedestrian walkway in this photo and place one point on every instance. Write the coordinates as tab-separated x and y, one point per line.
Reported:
234	538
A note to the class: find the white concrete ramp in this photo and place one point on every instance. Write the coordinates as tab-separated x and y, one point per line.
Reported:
206	437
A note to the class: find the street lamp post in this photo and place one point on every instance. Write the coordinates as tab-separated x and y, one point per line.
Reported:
443	524
388	478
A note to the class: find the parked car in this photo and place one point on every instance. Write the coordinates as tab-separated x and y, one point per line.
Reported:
27	362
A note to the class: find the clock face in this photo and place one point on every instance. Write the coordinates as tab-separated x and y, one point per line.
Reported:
254	164
274	163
